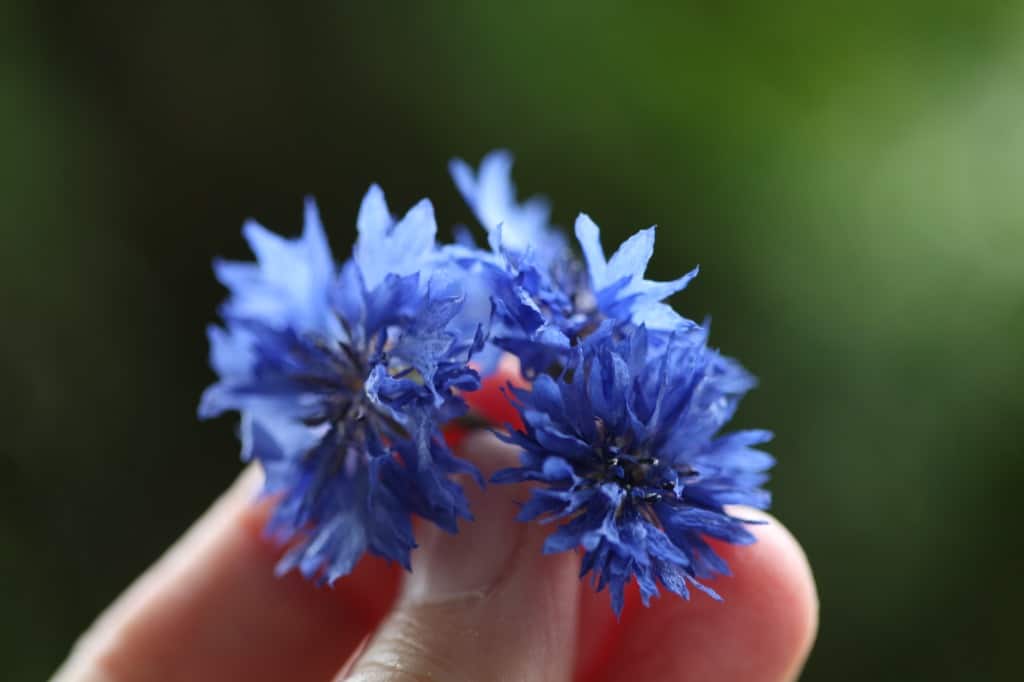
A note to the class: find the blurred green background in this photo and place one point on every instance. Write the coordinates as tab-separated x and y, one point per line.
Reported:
848	177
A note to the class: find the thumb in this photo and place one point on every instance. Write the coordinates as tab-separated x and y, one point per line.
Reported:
481	605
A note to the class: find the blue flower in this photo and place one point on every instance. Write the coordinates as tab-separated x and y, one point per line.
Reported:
617	284
344	373
545	300
515	229
343	376
627	449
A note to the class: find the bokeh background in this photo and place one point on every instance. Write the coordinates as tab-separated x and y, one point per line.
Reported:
849	178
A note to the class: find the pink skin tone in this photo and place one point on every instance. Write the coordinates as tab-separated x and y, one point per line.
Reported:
483	605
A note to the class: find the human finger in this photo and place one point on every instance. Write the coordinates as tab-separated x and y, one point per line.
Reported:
482	605
212	609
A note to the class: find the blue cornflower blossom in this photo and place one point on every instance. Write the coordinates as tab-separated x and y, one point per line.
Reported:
343	377
626	447
544	299
514	229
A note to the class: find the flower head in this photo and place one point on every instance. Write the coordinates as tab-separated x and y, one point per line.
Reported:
343	376
626	447
618	285
516	229
544	299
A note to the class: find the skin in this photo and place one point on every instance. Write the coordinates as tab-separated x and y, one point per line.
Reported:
484	605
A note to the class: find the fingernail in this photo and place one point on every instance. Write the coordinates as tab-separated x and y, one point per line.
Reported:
476	559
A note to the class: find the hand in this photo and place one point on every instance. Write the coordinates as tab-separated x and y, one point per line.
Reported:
483	605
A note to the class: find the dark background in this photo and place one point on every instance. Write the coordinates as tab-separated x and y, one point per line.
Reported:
849	179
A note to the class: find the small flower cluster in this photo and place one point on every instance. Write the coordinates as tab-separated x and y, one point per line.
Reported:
346	374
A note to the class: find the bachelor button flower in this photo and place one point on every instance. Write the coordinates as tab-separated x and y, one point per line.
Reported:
626	447
617	285
342	377
512	228
545	300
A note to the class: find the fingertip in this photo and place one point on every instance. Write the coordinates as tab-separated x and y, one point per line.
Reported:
761	632
773	580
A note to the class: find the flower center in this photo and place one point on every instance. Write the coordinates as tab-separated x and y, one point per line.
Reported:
341	383
641	475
